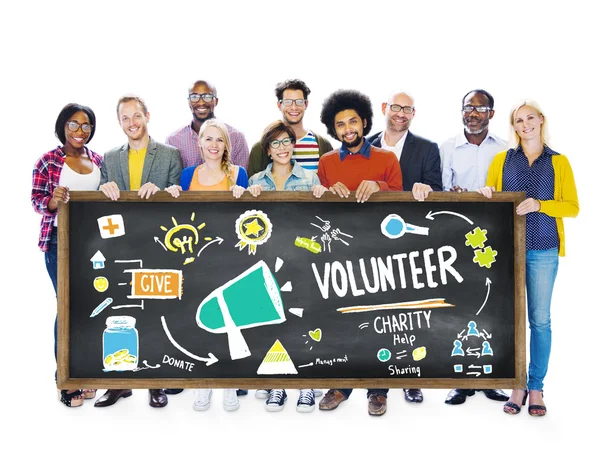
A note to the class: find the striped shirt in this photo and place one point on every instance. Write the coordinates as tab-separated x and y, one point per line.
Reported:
46	177
537	181
306	152
186	140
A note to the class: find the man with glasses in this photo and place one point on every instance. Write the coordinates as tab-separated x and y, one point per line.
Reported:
419	162
292	101
202	99
466	158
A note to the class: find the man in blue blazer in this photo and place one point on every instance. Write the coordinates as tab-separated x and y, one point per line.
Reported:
145	166
421	173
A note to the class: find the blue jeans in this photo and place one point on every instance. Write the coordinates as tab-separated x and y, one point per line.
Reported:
541	268
51	257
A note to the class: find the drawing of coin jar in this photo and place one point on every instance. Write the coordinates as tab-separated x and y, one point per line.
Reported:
120	344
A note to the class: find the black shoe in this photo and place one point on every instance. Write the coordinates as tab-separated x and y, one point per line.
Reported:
458	396
413	395
241	392
173	391
158	398
495	394
111	396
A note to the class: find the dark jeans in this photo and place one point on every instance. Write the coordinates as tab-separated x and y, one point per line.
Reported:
383	392
51	257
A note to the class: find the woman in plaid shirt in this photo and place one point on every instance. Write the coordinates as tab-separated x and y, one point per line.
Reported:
71	166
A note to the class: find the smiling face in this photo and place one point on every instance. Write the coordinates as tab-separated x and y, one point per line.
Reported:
349	129
212	144
201	110
475	122
398	122
77	139
133	120
528	124
283	154
294	113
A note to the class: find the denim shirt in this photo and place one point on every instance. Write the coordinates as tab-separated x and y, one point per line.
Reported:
299	179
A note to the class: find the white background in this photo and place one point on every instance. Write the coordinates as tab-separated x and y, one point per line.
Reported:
57	52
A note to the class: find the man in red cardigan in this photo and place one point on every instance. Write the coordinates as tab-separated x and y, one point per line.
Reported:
356	166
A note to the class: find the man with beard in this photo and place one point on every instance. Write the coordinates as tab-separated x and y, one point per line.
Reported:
419	162
466	158
359	166
202	99
145	166
292	101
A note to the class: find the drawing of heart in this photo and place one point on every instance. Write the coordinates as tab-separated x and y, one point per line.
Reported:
315	335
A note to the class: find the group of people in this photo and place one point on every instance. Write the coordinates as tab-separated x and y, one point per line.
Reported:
210	155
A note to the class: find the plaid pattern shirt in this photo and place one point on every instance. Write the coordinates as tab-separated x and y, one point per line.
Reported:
46	177
186	140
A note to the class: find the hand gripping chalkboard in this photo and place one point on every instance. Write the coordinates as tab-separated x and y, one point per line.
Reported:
287	291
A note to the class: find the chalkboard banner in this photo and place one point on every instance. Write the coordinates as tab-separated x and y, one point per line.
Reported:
288	291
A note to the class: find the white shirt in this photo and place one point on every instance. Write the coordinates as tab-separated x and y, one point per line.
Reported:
397	148
79	182
465	164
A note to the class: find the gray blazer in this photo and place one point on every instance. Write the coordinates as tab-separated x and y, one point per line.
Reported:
162	166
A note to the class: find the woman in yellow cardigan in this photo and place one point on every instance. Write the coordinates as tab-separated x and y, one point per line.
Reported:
547	179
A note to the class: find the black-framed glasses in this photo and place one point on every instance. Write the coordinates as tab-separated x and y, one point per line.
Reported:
407	109
206	97
278	142
288	102
479	108
73	126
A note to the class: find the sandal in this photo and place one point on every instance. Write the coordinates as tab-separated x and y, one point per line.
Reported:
512	408
536	410
68	398
89	393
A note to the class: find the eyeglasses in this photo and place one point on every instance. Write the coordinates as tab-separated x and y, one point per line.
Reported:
479	108
206	97
73	126
278	142
288	102
407	109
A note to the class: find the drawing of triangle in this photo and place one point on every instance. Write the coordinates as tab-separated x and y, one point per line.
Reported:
277	362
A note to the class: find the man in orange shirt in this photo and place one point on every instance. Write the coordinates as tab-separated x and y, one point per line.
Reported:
356	165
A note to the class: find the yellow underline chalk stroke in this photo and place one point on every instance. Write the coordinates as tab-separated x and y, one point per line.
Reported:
431	303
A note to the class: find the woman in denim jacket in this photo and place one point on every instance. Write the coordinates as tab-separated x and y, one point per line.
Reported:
283	173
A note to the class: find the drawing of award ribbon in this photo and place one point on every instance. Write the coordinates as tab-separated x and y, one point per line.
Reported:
252	228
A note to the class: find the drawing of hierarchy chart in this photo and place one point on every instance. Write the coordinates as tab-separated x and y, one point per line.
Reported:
225	311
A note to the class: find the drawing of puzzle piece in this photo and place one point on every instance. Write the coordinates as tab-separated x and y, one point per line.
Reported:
485	257
476	238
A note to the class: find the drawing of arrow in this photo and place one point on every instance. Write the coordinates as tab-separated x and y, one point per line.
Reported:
308	364
486	334
459	335
473	352
431	214
488	282
476	373
218	239
156	240
209	361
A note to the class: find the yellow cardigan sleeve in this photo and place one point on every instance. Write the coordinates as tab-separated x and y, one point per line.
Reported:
494	175
565	202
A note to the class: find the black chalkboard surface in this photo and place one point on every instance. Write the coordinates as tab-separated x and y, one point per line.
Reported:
288	291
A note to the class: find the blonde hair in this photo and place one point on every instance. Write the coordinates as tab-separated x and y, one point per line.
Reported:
226	164
514	137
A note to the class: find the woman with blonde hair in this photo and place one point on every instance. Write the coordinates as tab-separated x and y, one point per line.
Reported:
547	179
216	173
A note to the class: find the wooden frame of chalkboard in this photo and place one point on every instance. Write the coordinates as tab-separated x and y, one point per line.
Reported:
344	294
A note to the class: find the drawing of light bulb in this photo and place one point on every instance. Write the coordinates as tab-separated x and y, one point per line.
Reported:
176	243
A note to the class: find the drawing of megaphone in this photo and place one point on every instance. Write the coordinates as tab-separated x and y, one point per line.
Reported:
251	299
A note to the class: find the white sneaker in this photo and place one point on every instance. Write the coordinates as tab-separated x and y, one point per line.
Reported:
317	392
276	400
262	393
202	399
230	400
306	401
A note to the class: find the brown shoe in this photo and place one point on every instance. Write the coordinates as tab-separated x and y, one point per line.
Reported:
331	400
377	404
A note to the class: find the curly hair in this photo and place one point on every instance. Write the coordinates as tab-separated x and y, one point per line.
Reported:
346	99
295	84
